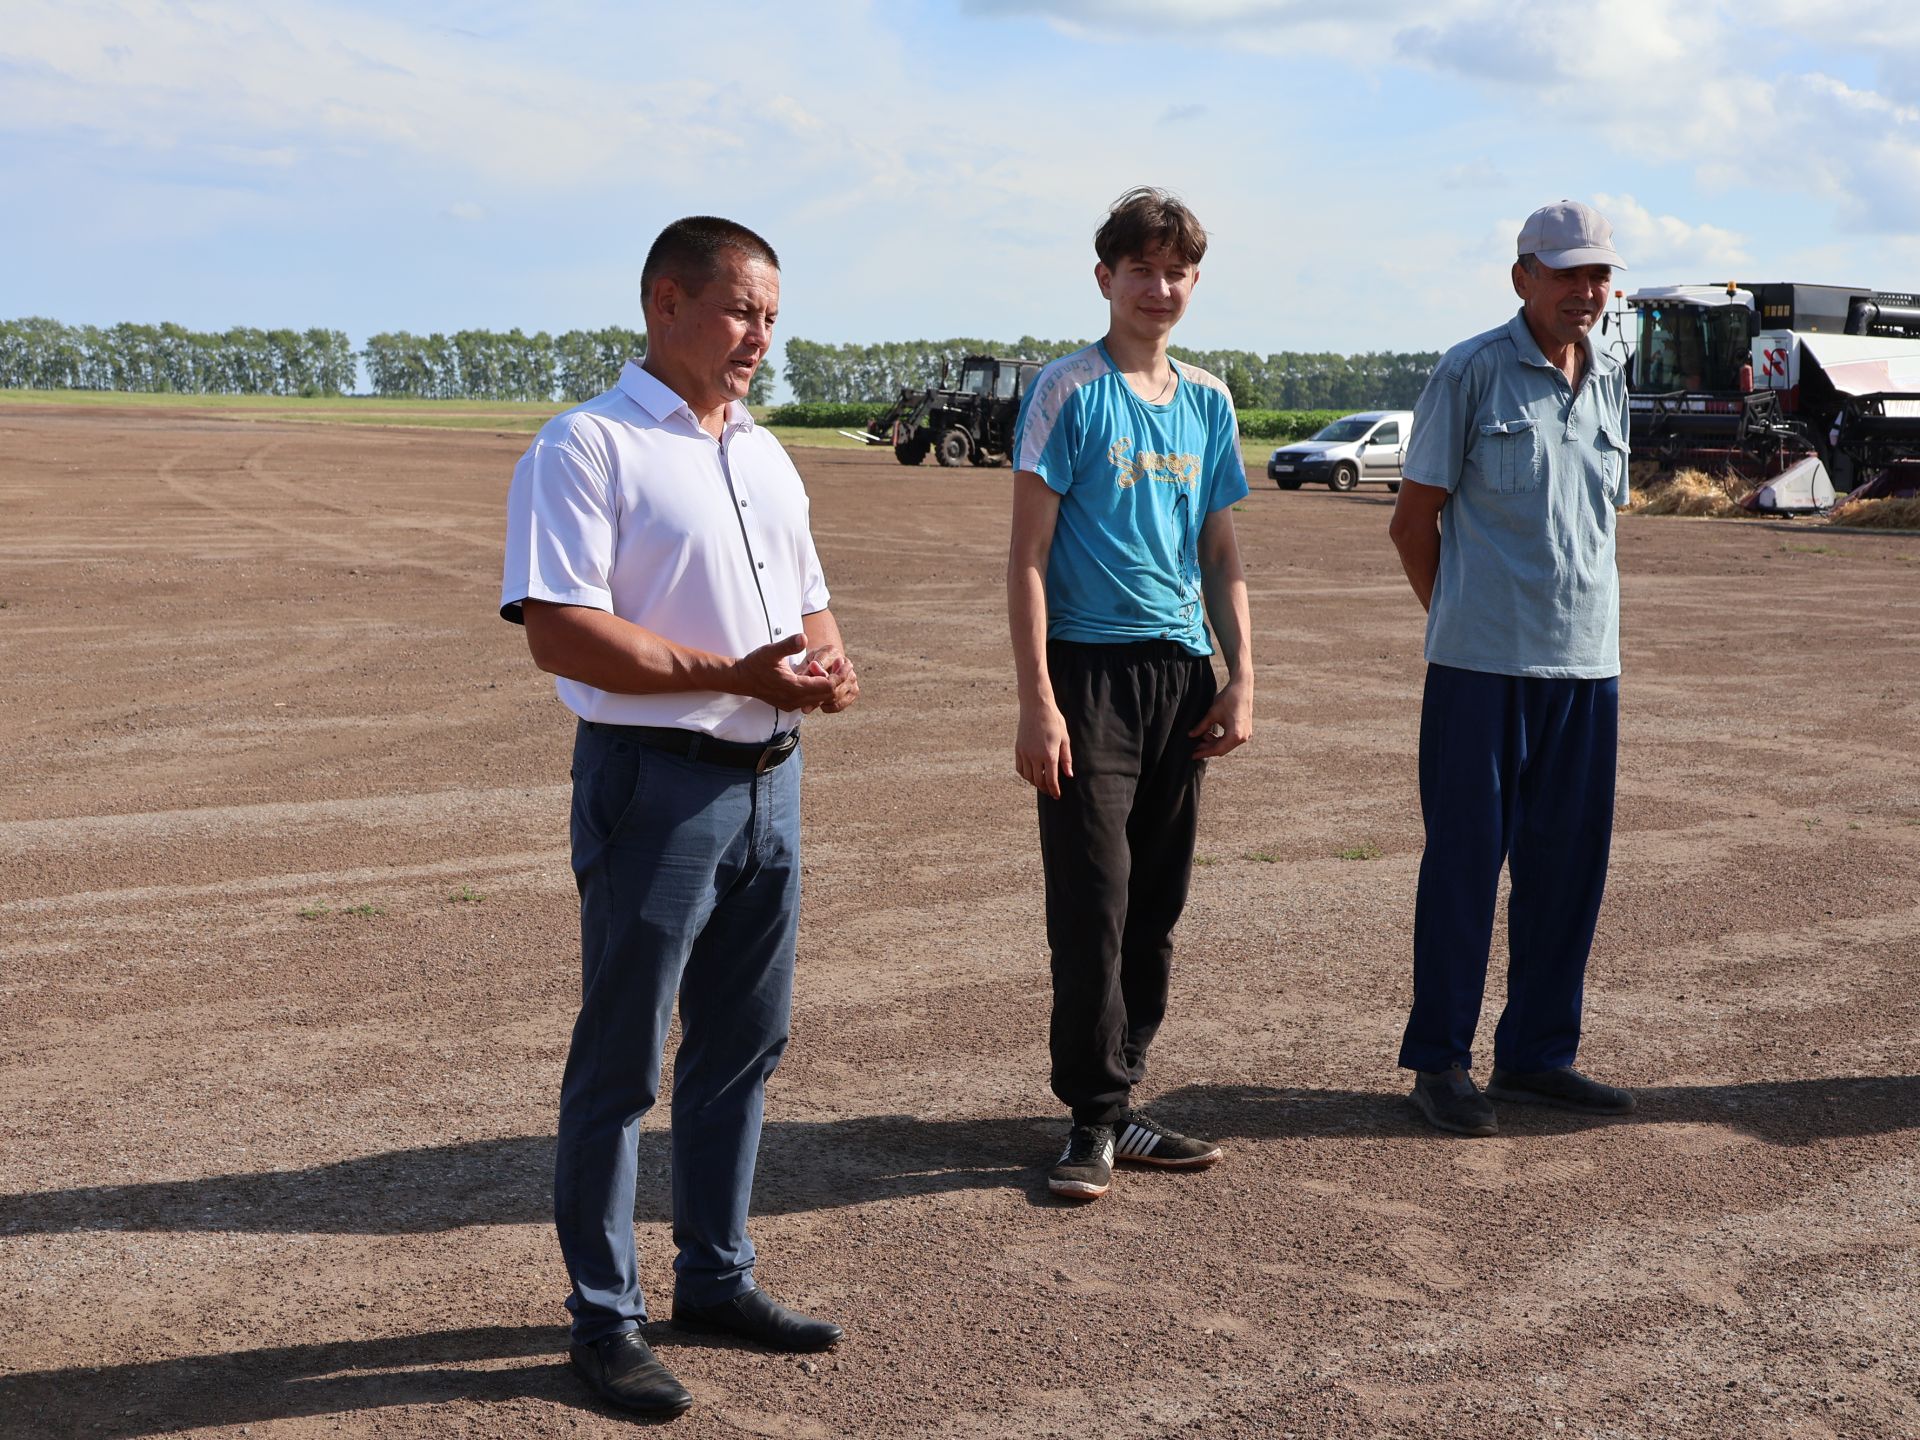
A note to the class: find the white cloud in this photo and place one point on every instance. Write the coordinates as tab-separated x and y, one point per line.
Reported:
921	172
1651	242
1725	88
187	79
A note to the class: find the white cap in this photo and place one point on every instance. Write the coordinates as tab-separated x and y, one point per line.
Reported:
1569	234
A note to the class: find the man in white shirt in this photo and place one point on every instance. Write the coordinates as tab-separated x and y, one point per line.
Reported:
658	554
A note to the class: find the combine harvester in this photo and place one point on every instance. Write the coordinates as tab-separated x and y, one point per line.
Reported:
1822	381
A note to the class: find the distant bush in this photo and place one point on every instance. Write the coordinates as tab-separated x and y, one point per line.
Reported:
824	414
1285	425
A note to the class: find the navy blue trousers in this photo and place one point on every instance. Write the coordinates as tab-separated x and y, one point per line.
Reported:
689	877
1520	771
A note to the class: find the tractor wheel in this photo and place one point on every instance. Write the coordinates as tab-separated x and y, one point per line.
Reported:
1345	477
1393	487
956	447
912	452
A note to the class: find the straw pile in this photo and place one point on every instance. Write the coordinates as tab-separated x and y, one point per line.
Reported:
1880	514
1692	492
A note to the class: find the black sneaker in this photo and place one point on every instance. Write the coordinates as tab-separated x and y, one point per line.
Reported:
1145	1141
1451	1101
1084	1170
1565	1088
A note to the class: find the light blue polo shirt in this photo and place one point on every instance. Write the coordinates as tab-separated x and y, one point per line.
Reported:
1136	482
1527	582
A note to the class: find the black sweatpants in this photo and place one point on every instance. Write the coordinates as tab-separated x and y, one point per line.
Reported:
1117	848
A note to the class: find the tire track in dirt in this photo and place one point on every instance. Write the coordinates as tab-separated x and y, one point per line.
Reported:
255	466
296	535
480	810
78	902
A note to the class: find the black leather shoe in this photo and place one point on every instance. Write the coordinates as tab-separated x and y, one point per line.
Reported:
1451	1101
757	1316
1565	1089
623	1370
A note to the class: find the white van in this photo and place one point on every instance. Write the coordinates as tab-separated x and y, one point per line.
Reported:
1353	449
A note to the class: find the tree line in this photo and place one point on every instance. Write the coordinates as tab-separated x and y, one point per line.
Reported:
1286	380
41	354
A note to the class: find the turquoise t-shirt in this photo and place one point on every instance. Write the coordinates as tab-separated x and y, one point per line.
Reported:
1527	582
1136	482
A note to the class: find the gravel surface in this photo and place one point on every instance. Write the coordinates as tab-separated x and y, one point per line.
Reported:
288	960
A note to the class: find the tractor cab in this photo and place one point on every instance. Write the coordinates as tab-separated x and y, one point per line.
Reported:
967	422
993	378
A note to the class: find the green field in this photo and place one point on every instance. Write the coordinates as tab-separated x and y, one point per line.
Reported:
504	416
509	416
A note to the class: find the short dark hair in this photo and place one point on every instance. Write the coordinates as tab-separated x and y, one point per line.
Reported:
690	249
1147	219
1530	262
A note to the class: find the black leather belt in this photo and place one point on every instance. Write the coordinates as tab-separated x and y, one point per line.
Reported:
692	745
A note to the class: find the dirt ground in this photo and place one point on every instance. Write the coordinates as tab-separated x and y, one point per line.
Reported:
288	959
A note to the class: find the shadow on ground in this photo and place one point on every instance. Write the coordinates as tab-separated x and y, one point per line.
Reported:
807	1166
1785	1112
165	1396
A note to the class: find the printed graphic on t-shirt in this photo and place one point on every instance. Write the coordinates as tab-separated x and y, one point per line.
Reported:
1168	468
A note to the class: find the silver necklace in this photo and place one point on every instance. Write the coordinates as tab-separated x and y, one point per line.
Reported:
1172	374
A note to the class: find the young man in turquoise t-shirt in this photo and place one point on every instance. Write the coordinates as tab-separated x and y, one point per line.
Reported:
1127	464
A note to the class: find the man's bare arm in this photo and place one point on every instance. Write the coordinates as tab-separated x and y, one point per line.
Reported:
622	658
1041	751
1225	586
1415	532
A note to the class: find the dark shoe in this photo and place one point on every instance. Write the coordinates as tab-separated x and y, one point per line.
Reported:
758	1317
1145	1141
1565	1088
622	1370
1450	1100
1084	1170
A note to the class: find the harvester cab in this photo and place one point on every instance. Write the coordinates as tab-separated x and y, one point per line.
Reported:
1756	377
969	423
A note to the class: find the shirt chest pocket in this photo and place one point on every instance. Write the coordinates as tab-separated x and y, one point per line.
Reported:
1510	456
1612	451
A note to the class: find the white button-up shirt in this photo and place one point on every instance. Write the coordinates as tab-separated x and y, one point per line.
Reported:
625	504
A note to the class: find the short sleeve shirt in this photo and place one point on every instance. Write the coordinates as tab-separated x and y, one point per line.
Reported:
1136	483
1528	584
625	504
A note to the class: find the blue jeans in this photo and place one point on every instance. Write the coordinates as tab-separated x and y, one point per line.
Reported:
689	877
1519	770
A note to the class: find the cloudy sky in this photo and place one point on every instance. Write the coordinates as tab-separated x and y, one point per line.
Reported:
935	167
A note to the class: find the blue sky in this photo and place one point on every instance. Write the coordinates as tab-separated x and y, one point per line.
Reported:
935	167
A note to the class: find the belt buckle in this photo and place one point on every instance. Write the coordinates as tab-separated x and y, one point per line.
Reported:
775	753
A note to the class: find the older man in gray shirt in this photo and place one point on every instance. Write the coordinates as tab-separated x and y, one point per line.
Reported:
1518	461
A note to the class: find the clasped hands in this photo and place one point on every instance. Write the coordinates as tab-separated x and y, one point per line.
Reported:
826	682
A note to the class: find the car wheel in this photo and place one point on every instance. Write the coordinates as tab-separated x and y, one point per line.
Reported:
1393	487
1287	484
1345	477
956	447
